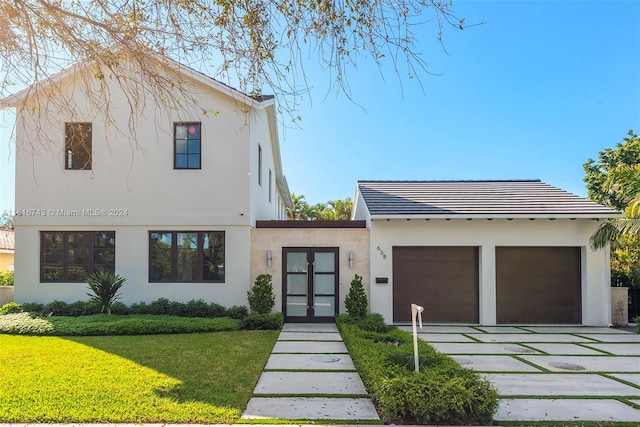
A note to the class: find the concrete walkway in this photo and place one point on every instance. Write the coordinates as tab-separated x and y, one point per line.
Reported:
310	376
550	373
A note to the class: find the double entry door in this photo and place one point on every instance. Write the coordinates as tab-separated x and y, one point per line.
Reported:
310	284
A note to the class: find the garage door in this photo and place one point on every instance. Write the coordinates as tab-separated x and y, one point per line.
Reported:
538	285
444	280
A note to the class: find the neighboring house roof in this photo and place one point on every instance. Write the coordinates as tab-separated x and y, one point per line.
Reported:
476	199
7	240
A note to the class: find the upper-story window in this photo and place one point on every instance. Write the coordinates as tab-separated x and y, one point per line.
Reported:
77	146
259	165
187	146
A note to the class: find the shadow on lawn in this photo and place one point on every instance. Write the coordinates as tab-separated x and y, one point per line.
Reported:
218	368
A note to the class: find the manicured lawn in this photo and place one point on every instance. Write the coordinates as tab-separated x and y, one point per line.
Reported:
189	378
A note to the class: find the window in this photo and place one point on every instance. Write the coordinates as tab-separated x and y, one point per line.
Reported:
186	256
72	256
270	186
187	146
77	146
259	165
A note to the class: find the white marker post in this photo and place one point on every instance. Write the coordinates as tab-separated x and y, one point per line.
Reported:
416	311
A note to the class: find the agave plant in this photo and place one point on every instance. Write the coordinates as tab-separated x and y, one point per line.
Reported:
104	287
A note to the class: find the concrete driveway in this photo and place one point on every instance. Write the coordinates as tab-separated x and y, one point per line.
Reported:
550	373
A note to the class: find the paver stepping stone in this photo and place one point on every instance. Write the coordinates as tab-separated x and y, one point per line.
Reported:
630	349
565	410
502	329
588	363
573	330
309	347
309	336
627	337
558	348
445	329
310	327
559	385
528	337
310	362
444	338
309	383
632	378
314	408
480	348
494	364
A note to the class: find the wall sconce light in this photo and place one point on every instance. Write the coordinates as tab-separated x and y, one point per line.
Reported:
269	258
350	259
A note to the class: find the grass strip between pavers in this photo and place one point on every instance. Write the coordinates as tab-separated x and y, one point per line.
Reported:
620	380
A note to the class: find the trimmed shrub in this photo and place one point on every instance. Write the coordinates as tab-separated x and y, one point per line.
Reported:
216	310
636	320
273	321
119	308
441	393
260	296
160	306
56	308
237	312
11	308
356	300
33	307
139	308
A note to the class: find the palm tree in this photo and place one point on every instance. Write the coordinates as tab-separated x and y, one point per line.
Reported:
625	181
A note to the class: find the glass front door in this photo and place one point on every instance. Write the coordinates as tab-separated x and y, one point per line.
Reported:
310	284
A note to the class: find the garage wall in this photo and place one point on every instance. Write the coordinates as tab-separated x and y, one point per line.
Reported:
486	235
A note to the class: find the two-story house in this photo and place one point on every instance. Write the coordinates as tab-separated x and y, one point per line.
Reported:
169	203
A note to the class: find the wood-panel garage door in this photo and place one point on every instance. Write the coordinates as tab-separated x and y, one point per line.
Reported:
444	280
538	285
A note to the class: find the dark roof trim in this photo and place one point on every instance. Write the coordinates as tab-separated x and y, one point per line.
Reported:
311	224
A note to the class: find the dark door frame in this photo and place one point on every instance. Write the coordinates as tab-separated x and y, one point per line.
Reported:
310	273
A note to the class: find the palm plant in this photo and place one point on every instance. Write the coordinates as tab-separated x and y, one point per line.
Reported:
625	181
105	287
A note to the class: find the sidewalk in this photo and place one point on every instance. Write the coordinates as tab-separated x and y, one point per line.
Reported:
310	376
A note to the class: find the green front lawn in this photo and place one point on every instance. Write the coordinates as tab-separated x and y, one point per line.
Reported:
189	378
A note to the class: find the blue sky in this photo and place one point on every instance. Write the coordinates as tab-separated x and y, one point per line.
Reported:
537	90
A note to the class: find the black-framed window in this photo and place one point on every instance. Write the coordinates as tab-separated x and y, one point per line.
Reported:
72	256
77	146
186	256
187	146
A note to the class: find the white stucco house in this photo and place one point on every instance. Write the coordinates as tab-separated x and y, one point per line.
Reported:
188	205
169	207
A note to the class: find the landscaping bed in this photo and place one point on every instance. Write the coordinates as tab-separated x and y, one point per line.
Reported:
441	393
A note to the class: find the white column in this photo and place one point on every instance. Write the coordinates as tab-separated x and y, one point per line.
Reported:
487	275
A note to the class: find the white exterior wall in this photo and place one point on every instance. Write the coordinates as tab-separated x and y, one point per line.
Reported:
487	235
135	175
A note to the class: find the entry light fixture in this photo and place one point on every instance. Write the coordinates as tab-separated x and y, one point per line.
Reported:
350	259
269	258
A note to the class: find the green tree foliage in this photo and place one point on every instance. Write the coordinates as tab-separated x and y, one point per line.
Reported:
625	153
615	181
356	300
332	210
260	296
105	288
6	221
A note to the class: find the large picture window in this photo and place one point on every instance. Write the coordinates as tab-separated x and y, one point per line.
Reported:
186	256
187	146
77	146
72	256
